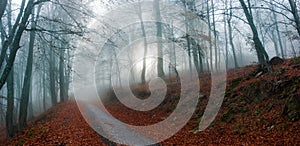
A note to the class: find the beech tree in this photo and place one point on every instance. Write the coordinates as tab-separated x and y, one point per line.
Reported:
262	55
160	65
28	73
294	11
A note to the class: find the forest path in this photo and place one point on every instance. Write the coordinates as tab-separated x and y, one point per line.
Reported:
111	127
64	124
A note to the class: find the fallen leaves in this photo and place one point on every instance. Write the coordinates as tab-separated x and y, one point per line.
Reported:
251	122
63	125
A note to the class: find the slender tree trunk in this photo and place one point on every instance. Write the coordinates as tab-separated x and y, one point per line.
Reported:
52	77
10	105
226	39
231	37
44	86
195	54
200	60
188	38
274	39
291	41
215	34
139	13
295	14
209	35
259	23
27	79
160	65
277	31
241	55
10	84
68	74
173	51
30	104
62	74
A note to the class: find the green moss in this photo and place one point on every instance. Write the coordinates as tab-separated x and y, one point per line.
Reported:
295	61
292	108
235	82
228	116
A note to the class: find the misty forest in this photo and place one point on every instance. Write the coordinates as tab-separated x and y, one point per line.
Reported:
101	72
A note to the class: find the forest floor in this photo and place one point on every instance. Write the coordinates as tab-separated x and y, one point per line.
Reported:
259	109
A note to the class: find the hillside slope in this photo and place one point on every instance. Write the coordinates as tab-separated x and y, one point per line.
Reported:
259	109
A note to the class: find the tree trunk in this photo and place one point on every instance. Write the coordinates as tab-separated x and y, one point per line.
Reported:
10	40
231	37
3	4
274	39
16	43
295	14
10	85
52	77
291	41
44	87
10	105
160	65
139	13
62	74
188	38
226	39
262	55
30	104
173	51
28	73
277	31
215	34
209	35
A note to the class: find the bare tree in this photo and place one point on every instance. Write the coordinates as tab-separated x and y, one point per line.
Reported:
160	66
231	37
262	55
139	13
295	14
10	87
28	73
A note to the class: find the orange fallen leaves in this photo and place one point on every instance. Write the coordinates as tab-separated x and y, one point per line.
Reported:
64	125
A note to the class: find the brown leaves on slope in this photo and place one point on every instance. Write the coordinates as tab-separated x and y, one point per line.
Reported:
244	119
